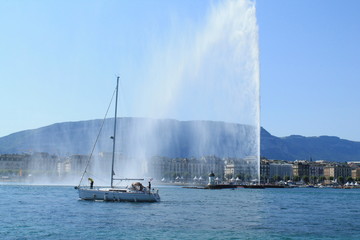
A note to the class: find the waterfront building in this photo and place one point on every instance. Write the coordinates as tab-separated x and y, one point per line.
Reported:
28	164
160	167
355	173
280	169
196	168
264	171
43	164
232	167
301	168
337	170
316	170
185	169
238	168
71	165
13	164
180	166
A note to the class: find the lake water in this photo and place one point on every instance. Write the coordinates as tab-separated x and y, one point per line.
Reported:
54	212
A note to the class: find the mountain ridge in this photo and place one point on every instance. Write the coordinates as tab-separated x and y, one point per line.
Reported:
178	137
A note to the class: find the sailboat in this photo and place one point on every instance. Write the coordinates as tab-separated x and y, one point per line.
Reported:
136	192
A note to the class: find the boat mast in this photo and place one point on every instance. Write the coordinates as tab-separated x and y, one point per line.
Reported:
114	136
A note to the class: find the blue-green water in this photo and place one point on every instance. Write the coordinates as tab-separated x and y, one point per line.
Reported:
53	212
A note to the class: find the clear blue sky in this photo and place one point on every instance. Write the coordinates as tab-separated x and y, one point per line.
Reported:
58	60
310	67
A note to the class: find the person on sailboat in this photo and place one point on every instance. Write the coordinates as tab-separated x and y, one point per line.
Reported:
150	184
91	183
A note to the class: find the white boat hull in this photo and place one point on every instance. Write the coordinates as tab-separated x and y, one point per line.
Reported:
120	195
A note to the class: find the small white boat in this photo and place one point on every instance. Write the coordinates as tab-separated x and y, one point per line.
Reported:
129	194
136	192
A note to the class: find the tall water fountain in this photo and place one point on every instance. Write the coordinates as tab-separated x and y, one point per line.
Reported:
207	78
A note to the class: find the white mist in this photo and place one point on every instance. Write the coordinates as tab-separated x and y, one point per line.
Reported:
204	71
